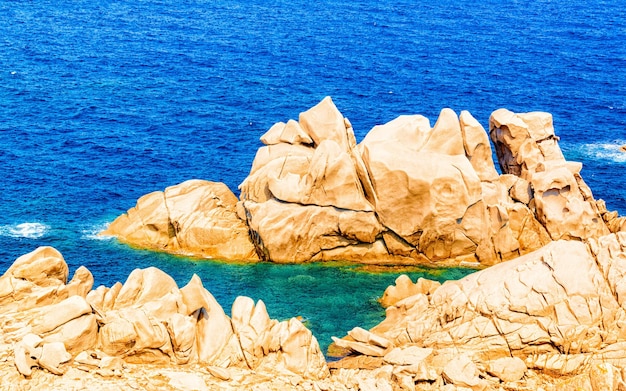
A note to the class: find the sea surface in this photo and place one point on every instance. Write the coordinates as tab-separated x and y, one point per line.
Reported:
104	101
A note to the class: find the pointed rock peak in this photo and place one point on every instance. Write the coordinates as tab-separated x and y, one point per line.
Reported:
446	135
294	134
290	133
272	136
477	147
195	280
144	285
324	122
242	310
467	120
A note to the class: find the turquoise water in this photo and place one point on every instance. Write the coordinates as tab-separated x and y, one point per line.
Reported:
331	298
103	101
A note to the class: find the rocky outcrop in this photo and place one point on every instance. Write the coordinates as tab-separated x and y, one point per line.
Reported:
527	147
558	311
551	319
48	324
408	193
195	217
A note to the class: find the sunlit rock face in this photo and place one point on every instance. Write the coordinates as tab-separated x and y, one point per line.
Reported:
146	320
558	311
195	217
409	193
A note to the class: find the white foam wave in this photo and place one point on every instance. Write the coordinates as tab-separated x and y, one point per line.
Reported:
605	151
93	232
25	230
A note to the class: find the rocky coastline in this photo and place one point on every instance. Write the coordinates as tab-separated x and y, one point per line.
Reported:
546	312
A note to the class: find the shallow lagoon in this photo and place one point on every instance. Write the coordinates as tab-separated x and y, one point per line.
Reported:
331	298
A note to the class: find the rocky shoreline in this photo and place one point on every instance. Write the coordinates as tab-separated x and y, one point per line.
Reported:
549	313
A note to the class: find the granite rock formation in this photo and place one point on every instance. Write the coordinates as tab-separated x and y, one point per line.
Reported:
195	217
48	323
558	311
408	193
552	319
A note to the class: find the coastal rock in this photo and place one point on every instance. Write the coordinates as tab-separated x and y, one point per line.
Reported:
146	320
507	369
404	288
427	191
290	133
287	233
477	147
527	147
408	193
554	310
195	217
522	323
323	188
462	372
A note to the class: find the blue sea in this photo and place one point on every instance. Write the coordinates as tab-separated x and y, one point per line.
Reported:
104	101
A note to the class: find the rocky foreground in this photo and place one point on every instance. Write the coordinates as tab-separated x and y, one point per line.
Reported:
550	314
553	319
408	193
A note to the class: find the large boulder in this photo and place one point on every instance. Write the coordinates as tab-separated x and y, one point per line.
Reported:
195	217
427	192
306	201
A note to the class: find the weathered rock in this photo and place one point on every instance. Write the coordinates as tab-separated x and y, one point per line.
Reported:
410	355
507	369
427	191
527	147
558	310
44	267
330	179
362	335
477	147
52	356
409	193
461	371
405	288
148	320
50	317
360	347
77	335
325	122
220	373
286	232
290	133
23	359
81	283
195	217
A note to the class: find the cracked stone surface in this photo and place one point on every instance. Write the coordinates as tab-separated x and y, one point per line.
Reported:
408	193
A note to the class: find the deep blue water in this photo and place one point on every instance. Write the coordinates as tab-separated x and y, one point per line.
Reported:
104	101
